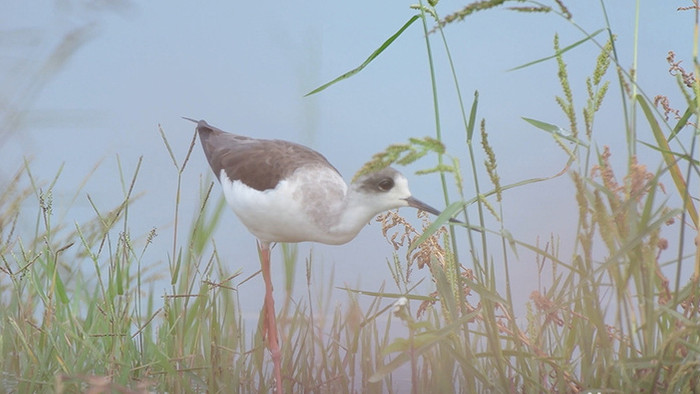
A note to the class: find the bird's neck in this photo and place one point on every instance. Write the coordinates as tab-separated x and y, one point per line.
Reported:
353	216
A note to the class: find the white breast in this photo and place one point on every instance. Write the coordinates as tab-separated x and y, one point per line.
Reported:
303	207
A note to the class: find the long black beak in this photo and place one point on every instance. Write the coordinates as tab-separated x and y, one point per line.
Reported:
418	204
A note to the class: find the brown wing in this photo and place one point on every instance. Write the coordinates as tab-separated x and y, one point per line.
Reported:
260	164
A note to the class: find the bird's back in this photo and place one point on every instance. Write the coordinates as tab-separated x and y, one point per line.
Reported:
286	192
258	163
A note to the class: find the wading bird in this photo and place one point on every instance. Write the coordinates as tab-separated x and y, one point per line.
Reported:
286	192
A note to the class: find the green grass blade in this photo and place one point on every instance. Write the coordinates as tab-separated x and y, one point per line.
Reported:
670	152
682	122
441	220
472	117
671	161
555	130
415	297
371	57
562	50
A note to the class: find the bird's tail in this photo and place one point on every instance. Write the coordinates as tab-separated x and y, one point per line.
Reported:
203	126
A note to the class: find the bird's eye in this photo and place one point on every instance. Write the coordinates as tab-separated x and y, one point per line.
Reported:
385	184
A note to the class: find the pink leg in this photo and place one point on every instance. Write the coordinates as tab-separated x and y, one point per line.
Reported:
270	321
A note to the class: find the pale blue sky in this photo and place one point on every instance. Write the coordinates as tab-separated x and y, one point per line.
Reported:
245	67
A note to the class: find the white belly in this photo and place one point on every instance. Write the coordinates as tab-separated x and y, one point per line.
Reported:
301	208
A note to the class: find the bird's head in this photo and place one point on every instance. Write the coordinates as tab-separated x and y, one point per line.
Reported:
387	189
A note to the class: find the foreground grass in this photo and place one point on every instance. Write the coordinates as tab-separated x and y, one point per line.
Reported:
612	317
68	330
